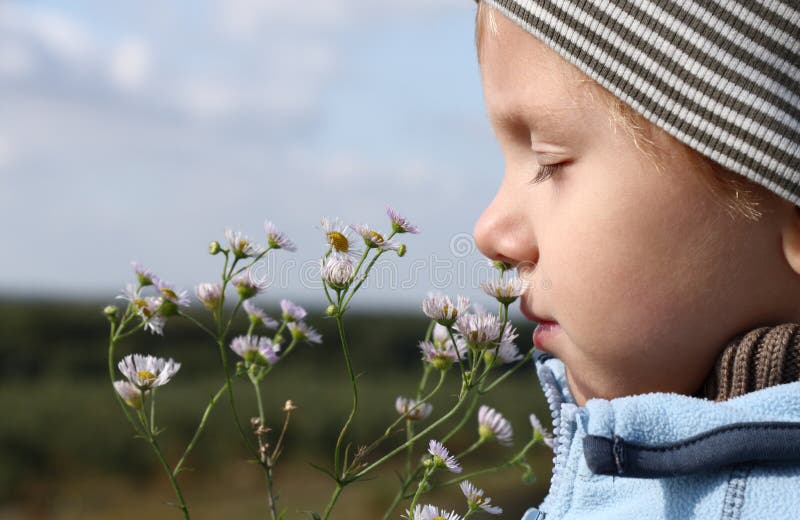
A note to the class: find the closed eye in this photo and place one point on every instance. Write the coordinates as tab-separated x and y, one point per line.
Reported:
545	172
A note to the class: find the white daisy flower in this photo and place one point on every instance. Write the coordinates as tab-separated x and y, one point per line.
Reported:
477	500
129	393
256	350
241	246
143	274
146	307
337	235
277	239
428	512
257	315
292	311
374	239
480	331
337	270
442	457
507	352
505	290
210	294
146	372
248	286
171	293
155	323
539	431
301	331
412	409
400	224
438	307
492	425
440	334
439	355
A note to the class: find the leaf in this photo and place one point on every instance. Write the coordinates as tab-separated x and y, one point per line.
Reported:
324	470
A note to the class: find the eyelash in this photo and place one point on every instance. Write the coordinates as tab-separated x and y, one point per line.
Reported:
545	172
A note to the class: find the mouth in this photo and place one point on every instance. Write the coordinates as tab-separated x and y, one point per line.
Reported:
546	328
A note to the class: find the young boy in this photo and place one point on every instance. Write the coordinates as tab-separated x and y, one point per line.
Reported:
650	200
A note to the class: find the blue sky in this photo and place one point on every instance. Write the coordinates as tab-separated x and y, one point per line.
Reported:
141	130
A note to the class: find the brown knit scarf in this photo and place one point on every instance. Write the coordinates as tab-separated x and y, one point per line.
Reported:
763	357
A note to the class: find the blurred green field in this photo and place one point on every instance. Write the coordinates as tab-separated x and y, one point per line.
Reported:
67	452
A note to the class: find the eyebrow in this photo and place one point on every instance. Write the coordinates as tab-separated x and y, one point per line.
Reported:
535	116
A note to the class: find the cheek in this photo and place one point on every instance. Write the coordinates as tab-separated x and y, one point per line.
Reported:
624	261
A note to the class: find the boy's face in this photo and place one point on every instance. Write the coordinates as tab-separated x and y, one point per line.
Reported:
647	276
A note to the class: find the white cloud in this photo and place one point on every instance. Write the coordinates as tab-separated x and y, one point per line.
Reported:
246	18
60	34
130	64
16	61
7	153
204	99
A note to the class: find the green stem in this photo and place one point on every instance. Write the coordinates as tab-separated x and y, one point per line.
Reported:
464	419
508	373
475	445
122	404
172	480
231	399
420	488
196	322
160	455
354	409
420	402
458	354
153	411
410	449
332	502
366	272
462	398
510	462
257	388
199	430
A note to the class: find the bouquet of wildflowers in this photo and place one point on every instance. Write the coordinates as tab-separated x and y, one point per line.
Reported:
479	343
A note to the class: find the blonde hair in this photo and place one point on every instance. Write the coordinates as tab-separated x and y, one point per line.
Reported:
738	195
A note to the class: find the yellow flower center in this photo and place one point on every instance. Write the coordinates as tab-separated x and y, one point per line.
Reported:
484	432
376	237
169	293
439	518
146	375
338	241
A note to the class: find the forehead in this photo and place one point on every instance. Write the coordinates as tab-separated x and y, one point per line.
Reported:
521	75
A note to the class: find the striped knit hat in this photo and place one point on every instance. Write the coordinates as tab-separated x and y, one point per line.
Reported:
722	76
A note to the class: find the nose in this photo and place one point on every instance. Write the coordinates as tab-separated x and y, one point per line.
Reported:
504	230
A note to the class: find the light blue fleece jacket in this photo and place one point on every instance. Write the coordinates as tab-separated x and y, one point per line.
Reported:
669	456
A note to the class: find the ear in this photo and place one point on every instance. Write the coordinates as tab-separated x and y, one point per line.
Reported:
791	240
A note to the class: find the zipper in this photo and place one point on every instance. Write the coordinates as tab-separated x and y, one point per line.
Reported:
564	426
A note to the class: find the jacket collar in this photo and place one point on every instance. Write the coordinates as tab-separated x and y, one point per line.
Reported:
664	434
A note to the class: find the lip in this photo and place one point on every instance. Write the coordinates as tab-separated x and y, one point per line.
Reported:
546	328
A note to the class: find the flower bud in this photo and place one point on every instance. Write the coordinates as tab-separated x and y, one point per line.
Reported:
401	251
501	266
332	310
491	358
111	313
214	248
277	339
529	477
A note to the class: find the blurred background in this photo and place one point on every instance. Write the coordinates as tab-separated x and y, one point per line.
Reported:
140	131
